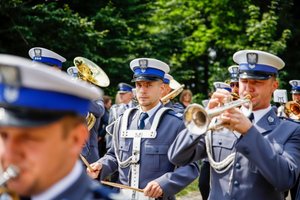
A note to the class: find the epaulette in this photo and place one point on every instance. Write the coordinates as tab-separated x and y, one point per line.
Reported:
289	119
115	106
175	114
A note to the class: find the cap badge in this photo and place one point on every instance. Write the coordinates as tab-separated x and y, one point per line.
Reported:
218	85
295	83
10	94
143	63
252	59
234	70
37	52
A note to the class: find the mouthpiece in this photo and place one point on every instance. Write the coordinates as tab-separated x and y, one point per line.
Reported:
11	172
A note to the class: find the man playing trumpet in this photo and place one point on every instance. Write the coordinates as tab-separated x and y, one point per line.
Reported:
250	159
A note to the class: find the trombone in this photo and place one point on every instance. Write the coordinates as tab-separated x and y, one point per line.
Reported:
198	120
172	94
177	89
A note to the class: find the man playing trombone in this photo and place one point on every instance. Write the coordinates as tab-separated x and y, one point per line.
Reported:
171	84
255	158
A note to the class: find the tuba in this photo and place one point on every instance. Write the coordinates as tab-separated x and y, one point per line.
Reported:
292	110
198	120
87	70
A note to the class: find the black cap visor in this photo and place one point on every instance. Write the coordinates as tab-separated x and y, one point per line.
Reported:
146	78
234	80
295	92
27	117
256	75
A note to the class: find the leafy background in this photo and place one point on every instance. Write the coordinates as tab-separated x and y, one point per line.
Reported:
196	38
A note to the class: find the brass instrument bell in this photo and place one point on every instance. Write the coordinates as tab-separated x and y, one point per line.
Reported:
292	110
89	71
198	120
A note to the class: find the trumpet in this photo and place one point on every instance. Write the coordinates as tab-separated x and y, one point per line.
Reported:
10	173
198	120
292	110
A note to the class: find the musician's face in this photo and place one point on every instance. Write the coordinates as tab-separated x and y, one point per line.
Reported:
125	97
234	87
260	90
166	90
148	93
43	154
296	97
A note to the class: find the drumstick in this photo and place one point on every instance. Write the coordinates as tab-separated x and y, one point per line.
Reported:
121	186
86	163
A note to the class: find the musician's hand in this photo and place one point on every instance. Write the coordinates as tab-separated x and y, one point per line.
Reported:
96	170
234	119
220	96
153	190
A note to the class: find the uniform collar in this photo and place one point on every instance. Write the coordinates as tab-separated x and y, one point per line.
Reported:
266	120
152	111
61	185
258	114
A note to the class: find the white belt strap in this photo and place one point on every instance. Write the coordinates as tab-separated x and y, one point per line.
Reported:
133	195
137	136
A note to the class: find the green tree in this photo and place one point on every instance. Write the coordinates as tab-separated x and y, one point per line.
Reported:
203	35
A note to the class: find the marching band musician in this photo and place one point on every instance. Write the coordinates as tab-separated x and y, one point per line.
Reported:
46	56
295	98
126	101
203	183
178	108
42	129
222	85
140	155
90	150
234	78
249	160
295	90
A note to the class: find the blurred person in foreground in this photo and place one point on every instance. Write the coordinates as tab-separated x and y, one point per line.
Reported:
43	129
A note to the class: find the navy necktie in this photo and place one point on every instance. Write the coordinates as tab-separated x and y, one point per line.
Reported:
141	124
251	117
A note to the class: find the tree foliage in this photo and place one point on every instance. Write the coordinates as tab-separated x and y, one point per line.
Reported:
197	38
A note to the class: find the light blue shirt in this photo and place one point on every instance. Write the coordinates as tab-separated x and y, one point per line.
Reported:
61	185
150	112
